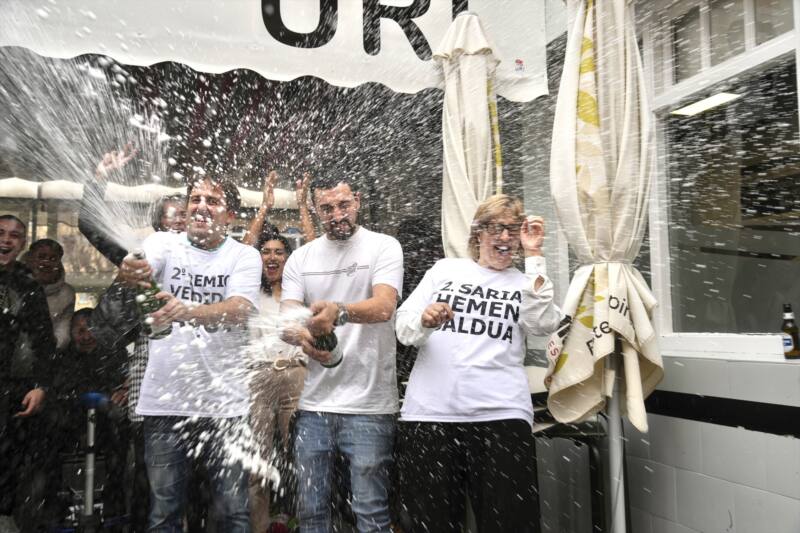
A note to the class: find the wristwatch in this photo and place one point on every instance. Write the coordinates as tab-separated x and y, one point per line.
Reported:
342	316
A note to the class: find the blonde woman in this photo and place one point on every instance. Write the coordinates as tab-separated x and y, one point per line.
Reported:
466	422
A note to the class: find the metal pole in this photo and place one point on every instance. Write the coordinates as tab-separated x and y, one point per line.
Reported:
88	475
616	450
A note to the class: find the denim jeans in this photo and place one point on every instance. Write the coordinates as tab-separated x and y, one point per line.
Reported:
171	443
366	441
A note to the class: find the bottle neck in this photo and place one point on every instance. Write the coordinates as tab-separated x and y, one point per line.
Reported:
788	316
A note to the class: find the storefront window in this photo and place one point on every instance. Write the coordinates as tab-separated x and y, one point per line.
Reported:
686	44
773	18
734	187
727	29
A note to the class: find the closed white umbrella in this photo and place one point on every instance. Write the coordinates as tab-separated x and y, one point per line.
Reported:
469	128
600	174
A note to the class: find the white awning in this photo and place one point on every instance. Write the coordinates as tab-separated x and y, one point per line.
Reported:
352	42
69	190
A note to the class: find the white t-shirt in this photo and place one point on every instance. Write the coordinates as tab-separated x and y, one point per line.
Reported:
470	369
199	371
346	271
266	345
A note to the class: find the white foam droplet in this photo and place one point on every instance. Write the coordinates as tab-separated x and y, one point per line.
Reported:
42	13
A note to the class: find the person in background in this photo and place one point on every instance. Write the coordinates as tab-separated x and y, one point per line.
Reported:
84	366
44	258
26	328
279	371
350	278
466	422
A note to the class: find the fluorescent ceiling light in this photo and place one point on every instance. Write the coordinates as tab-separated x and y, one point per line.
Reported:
706	103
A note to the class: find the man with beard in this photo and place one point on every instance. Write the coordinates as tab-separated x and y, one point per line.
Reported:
27	337
350	278
194	397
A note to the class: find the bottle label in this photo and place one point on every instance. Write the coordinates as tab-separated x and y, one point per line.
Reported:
788	316
788	345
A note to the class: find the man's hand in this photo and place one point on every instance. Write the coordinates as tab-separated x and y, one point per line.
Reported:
268	193
301	190
436	314
173	311
324	316
134	272
532	235
114	161
120	395
298	335
31	403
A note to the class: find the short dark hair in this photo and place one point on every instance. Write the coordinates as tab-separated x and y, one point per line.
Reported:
233	200
158	208
49	243
9	216
330	182
81	313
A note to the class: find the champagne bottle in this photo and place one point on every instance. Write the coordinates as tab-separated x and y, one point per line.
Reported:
791	346
147	303
329	343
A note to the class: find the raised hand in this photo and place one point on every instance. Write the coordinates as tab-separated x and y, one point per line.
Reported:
532	235
301	190
268	198
114	161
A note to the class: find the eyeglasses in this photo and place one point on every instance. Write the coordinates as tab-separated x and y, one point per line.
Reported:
495	228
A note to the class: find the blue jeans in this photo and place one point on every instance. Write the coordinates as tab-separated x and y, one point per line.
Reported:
171	443
367	442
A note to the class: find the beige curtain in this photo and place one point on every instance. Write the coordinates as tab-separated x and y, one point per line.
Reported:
468	64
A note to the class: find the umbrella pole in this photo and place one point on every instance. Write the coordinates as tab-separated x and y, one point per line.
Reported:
616	450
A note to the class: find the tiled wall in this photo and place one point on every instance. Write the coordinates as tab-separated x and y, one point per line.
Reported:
687	476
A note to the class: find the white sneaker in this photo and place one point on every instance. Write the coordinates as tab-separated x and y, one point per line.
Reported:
7	525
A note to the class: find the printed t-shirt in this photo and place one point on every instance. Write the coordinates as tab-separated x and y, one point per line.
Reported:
346	271
470	369
199	371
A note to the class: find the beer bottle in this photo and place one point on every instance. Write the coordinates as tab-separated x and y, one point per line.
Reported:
791	346
147	303
329	343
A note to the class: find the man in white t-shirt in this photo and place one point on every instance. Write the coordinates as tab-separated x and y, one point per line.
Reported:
194	397
350	278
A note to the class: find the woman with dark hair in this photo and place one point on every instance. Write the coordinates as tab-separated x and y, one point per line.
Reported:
279	371
466	421
44	258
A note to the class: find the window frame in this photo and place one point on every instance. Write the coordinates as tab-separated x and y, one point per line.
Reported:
654	25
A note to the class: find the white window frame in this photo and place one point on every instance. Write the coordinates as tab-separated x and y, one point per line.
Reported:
655	20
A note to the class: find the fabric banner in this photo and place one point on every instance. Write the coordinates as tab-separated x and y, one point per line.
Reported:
345	42
600	175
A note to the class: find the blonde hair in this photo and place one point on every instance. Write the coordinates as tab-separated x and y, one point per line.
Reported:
493	207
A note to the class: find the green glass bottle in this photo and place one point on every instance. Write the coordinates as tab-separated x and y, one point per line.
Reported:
147	303
329	343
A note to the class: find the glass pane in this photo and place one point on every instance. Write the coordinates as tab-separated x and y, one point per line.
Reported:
727	29
773	18
734	185
686	44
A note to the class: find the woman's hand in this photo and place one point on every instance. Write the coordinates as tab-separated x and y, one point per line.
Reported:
268	194
532	235
301	190
436	314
